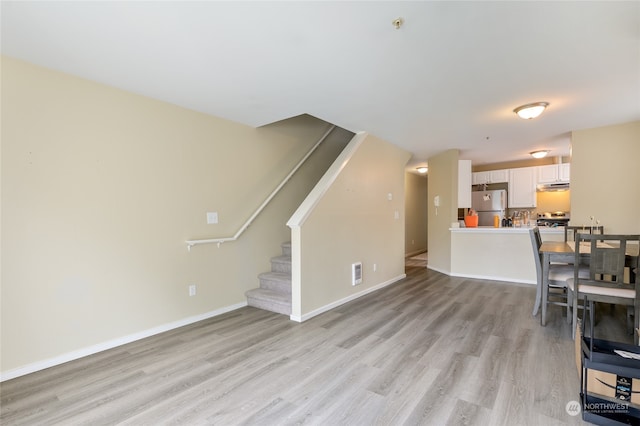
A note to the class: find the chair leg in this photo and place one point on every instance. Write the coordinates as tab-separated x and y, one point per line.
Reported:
574	315
636	323
592	315
569	304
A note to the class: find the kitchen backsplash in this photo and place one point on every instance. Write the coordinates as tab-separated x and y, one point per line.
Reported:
559	201
547	202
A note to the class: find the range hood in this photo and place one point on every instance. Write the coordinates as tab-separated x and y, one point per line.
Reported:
553	187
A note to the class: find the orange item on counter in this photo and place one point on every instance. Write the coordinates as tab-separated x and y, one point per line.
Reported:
471	221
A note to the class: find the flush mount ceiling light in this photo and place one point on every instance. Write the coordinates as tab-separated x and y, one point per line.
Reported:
539	154
422	169
530	111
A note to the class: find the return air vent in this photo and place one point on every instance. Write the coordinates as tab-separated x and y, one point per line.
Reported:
356	273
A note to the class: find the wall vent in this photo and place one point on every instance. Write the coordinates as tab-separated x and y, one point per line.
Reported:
356	273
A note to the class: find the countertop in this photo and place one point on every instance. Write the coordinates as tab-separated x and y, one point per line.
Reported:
511	230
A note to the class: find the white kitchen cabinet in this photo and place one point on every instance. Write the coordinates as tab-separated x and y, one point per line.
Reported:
565	172
548	174
464	184
480	178
554	173
491	176
522	187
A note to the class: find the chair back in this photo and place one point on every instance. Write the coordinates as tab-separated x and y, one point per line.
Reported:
570	232
607	256
536	242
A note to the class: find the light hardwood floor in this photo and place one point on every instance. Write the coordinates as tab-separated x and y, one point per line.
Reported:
429	350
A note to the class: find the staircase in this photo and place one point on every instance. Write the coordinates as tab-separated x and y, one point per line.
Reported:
274	293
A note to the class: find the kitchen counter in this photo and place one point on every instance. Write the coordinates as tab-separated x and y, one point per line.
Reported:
501	254
547	233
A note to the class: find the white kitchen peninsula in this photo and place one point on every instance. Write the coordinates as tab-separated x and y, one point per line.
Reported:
501	254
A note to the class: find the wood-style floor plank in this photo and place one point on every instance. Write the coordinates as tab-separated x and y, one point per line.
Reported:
429	350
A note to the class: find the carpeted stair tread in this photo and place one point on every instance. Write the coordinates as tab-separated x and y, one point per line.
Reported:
281	264
274	293
270	300
276	281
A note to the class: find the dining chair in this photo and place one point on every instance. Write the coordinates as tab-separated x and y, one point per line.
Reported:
608	258
557	278
570	231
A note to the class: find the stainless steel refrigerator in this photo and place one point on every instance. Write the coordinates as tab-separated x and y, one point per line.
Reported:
488	204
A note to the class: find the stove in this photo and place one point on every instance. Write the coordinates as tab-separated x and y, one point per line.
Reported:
553	219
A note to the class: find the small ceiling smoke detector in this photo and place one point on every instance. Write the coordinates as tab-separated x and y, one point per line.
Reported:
539	154
397	23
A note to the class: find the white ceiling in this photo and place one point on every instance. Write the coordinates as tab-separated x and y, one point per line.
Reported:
448	78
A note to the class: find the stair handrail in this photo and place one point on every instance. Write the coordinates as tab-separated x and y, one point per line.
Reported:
219	241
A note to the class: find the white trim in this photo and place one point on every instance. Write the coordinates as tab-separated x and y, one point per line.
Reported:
339	302
442	271
482	277
414	253
80	353
492	278
325	182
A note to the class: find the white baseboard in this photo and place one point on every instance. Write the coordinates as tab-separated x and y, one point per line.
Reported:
442	271
414	253
482	277
337	303
492	278
80	353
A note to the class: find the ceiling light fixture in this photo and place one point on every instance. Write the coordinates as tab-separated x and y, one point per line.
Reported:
539	154
530	111
422	169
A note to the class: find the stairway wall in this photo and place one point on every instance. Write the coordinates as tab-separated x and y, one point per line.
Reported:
355	214
100	190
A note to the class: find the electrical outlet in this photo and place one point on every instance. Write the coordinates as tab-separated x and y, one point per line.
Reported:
192	290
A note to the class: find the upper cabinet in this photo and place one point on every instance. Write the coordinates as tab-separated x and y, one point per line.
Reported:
464	184
565	172
554	173
492	176
522	187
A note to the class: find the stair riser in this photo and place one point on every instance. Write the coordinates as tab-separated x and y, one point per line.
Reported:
281	267
279	286
269	306
274	293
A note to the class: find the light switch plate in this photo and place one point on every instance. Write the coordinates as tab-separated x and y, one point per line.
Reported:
212	217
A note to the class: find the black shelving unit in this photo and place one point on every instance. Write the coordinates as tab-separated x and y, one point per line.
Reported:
599	355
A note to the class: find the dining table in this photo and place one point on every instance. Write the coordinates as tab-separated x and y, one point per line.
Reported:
564	252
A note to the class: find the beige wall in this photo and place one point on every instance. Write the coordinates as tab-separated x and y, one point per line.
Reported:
100	190
353	221
415	231
443	182
605	174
